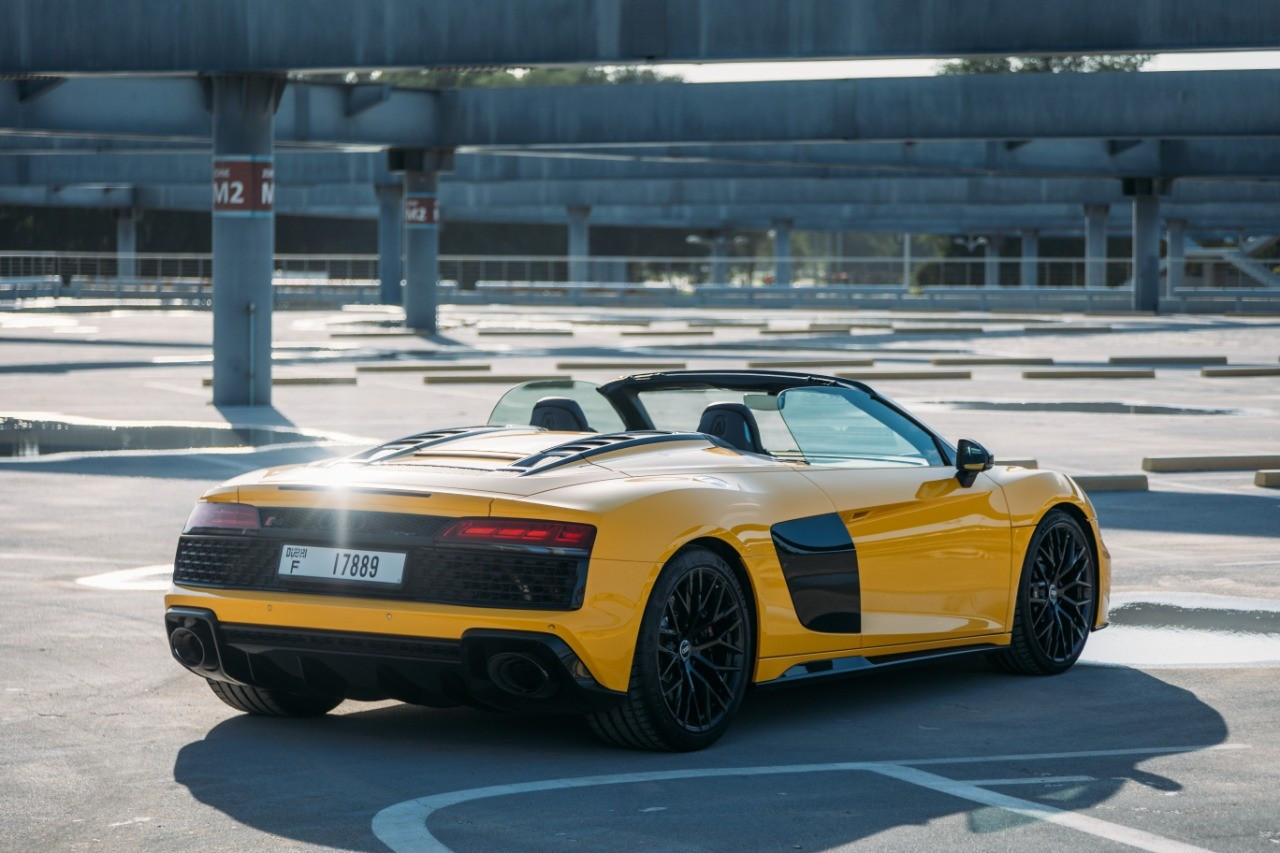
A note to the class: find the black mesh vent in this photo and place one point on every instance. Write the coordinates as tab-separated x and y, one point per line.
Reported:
335	643
475	577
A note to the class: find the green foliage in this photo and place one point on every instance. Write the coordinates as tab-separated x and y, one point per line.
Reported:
471	78
1044	64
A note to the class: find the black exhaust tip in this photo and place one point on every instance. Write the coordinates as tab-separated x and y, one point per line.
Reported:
521	675
187	647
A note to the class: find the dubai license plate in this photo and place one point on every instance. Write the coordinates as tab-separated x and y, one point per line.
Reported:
341	564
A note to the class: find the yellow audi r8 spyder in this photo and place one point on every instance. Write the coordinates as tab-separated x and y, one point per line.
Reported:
641	553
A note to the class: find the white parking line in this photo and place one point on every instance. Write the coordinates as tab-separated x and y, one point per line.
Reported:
1028	780
403	826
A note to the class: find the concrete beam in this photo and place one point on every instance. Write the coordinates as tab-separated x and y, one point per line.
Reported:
145	36
977	106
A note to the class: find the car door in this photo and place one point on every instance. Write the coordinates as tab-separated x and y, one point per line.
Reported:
933	555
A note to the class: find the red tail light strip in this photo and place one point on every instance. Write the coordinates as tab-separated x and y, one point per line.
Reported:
520	531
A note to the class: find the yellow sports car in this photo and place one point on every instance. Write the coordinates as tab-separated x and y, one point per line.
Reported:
641	553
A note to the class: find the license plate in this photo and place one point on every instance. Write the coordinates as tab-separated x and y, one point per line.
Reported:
341	564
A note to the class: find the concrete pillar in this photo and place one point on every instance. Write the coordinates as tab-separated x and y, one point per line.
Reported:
720	258
127	242
579	244
390	242
1176	255
782	252
907	278
1028	268
991	262
422	251
1095	244
244	107
1146	252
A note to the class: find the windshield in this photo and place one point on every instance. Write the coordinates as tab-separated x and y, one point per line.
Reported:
849	428
680	410
516	406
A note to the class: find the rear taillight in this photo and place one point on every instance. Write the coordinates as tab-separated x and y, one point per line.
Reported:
209	514
520	531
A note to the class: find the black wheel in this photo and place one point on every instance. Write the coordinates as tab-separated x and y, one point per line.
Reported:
692	663
272	703
1056	599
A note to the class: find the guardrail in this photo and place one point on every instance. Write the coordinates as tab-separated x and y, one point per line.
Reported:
1212	284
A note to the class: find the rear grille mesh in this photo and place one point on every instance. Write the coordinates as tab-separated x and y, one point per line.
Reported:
475	577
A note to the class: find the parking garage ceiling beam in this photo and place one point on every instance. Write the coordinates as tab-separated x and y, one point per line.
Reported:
1222	104
168	36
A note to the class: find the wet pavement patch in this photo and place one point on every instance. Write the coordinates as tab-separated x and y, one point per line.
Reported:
34	437
1191	630
1101	408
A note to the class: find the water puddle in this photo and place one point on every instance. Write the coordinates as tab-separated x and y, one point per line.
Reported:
27	437
1103	408
1188	630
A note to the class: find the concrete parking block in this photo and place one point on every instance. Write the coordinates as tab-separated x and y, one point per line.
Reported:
666	332
1111	482
507	378
1102	373
1167	359
1240	371
418	367
1168	464
975	360
1018	463
937	330
628	366
813	362
872	375
1065	330
1267	479
541	333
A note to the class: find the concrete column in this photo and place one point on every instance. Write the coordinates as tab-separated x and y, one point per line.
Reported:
579	244
422	251
1176	255
907	278
782	252
1028	270
1095	244
991	262
390	242
720	258
244	107
1146	252
127	242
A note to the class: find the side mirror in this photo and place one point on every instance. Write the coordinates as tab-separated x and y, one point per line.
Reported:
971	460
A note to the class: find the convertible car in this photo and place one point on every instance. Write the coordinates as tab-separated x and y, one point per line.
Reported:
641	553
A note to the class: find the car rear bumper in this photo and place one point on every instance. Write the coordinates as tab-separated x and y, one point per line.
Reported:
510	670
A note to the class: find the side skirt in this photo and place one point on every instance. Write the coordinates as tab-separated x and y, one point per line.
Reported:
844	667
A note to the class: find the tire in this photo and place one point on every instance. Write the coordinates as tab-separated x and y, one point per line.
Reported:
687	681
1057	599
272	703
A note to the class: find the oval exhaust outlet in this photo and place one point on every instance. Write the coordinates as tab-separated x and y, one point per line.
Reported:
187	647
521	675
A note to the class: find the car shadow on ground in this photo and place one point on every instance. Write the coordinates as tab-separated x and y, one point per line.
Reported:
1183	512
322	780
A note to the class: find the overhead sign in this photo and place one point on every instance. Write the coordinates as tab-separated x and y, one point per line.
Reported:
243	186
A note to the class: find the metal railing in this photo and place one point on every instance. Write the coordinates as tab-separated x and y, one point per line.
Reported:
306	280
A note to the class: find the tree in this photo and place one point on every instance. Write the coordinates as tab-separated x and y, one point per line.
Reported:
1044	64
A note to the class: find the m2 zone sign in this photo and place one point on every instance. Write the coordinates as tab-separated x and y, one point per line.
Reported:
243	186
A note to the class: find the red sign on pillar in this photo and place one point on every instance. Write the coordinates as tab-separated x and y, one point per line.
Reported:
243	186
420	210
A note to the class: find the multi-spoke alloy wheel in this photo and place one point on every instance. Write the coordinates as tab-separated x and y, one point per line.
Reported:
1056	603
700	649
692	662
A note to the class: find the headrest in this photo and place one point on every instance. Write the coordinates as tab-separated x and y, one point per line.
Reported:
559	414
733	424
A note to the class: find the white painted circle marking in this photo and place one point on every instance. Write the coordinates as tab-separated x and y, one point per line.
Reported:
403	826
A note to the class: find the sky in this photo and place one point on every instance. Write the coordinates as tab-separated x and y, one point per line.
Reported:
733	72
